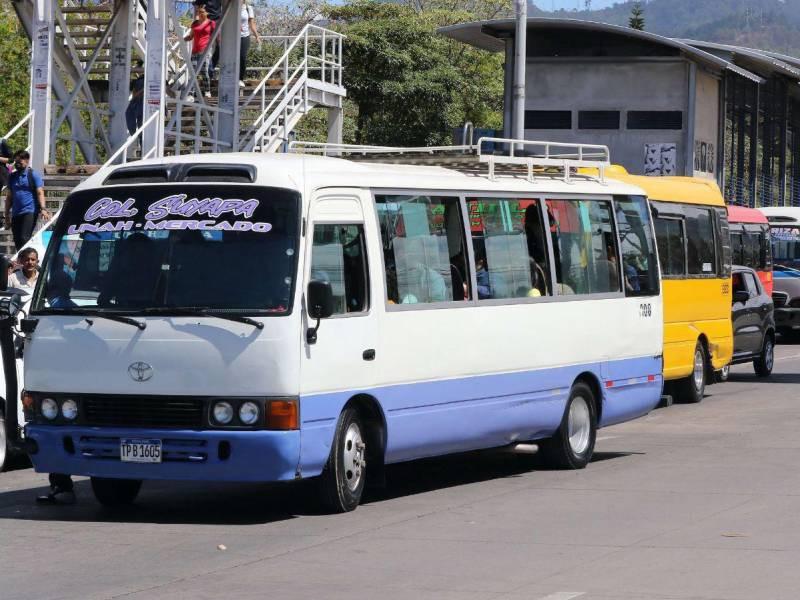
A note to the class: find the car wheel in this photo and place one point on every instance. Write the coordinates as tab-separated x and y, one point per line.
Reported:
692	388
573	444
115	492
723	374
342	481
764	363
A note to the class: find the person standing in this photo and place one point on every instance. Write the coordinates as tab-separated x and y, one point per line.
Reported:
214	11
200	36
24	199
247	26
25	277
135	111
5	163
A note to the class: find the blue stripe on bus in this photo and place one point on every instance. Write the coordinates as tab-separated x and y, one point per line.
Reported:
424	419
467	413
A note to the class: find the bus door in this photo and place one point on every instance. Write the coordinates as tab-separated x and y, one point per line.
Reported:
345	352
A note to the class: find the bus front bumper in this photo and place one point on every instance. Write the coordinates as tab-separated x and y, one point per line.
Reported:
188	455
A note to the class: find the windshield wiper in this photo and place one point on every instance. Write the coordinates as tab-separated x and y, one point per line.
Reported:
201	311
141	326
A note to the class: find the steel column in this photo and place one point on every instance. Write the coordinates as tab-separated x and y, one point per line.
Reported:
155	77
41	80
228	90
335	123
119	77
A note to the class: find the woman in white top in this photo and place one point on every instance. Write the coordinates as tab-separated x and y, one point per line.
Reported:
247	25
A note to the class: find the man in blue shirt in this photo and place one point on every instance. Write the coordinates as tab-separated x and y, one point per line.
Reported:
24	199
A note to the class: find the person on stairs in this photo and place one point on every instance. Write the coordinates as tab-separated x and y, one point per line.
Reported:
24	199
200	36
247	20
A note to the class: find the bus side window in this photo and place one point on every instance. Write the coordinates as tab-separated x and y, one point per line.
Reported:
424	249
584	245
639	264
339	257
510	248
671	241
701	250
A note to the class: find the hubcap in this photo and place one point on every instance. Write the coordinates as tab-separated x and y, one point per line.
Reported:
769	355
699	374
579	425
353	456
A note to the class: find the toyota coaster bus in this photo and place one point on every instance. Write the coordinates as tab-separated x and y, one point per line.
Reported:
257	317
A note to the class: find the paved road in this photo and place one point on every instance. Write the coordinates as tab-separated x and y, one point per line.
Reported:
694	501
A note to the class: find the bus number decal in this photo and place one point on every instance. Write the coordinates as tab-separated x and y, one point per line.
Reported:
645	310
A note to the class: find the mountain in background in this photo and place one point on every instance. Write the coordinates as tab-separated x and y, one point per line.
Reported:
766	24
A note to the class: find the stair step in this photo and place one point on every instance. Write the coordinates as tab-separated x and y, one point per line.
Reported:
87	10
90	21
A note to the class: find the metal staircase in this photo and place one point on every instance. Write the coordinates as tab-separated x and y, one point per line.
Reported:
81	77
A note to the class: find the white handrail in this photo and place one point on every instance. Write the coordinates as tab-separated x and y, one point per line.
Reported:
130	141
19	124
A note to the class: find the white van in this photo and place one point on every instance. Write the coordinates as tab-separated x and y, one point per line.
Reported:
256	317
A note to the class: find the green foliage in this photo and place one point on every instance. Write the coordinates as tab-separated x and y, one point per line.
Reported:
14	76
636	20
410	84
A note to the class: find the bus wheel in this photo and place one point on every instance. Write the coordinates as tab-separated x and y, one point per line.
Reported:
692	388
573	444
3	443
115	492
764	363
342	480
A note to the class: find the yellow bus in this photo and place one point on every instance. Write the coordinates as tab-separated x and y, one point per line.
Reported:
693	239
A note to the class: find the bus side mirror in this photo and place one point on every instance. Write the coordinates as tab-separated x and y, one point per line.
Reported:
319	300
740	296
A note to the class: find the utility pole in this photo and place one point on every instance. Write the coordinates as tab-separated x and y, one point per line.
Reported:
520	43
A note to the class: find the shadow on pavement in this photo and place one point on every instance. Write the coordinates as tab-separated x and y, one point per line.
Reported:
251	504
774	378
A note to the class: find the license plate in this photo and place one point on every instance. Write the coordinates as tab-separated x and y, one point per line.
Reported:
141	451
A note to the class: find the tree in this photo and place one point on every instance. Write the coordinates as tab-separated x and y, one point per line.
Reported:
14	74
411	85
636	20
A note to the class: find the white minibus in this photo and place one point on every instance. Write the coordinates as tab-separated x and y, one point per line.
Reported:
258	317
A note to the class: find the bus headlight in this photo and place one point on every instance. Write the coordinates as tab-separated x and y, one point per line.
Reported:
49	409
248	413
69	409
223	413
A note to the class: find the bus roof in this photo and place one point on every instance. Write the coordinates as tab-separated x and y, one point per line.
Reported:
742	214
304	173
688	190
777	215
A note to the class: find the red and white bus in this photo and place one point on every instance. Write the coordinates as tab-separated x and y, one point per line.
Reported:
750	242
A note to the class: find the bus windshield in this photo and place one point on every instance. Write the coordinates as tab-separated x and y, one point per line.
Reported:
154	248
785	244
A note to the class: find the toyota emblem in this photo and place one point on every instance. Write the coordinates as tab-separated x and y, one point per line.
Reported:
140	371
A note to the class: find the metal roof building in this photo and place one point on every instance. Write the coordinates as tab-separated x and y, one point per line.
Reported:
664	106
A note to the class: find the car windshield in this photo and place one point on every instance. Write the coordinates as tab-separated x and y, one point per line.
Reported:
150	249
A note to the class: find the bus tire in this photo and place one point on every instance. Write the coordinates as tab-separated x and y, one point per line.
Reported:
573	444
766	360
692	388
343	478
115	492
4	452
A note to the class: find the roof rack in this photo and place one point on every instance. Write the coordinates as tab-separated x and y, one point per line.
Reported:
499	154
